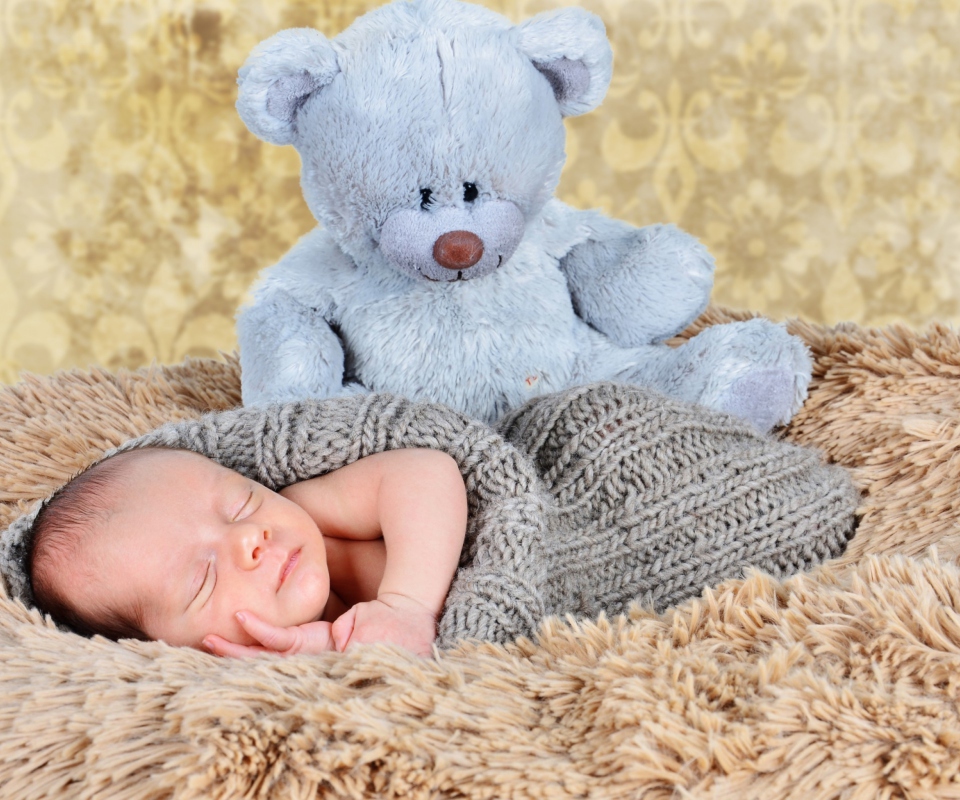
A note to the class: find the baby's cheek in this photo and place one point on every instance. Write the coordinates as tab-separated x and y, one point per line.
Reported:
226	624
307	598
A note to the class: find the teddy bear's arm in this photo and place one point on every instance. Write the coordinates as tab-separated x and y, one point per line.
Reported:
637	285
288	351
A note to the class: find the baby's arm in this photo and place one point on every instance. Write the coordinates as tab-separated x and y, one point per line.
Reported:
415	499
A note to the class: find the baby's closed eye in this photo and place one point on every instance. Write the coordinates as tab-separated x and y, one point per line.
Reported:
206	587
246	507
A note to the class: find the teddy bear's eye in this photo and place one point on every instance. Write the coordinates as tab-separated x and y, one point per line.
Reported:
470	192
425	197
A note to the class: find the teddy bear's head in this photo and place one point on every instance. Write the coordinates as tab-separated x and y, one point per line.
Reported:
430	132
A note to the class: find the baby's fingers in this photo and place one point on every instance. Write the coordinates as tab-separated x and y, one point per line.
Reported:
222	647
342	629
311	637
279	640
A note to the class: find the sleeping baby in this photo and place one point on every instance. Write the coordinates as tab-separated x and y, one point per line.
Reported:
424	528
167	544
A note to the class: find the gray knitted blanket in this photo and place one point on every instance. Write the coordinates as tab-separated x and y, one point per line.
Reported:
579	502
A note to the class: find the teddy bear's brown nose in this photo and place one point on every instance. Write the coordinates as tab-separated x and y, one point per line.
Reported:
458	249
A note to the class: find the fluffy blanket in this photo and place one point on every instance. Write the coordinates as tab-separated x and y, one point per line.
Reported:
842	683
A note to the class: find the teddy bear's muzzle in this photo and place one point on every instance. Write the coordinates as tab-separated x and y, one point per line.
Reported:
449	244
458	250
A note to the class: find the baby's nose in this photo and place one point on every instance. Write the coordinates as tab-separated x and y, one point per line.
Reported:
249	544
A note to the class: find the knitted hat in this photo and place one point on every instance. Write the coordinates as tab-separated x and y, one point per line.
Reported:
637	497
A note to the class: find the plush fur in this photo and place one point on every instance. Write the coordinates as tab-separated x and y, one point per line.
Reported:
435	117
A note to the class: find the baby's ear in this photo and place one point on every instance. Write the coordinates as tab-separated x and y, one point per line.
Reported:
569	47
277	78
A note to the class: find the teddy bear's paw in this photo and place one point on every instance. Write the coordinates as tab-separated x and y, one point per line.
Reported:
638	286
669	276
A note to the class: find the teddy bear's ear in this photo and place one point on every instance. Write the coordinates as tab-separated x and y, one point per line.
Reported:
569	47
278	77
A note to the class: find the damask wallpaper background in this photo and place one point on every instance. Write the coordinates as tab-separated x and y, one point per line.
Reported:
813	145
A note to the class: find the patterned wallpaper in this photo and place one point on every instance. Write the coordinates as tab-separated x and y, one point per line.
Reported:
814	145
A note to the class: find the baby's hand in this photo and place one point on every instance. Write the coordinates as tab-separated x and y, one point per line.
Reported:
311	637
391	618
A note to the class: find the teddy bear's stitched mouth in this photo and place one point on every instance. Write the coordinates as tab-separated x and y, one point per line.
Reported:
437	280
459	274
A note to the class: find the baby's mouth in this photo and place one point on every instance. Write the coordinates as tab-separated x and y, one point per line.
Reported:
289	567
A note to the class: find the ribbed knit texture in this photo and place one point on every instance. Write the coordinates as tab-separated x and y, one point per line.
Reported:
652	499
619	494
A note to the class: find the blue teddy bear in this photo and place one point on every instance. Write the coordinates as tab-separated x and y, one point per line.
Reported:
431	138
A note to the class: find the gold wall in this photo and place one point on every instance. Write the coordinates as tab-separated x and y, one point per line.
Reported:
814	145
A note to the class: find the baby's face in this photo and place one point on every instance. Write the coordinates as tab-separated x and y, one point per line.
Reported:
195	543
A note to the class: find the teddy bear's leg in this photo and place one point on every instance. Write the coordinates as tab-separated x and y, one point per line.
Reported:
753	369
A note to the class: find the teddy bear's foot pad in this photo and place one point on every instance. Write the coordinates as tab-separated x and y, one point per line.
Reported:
764	398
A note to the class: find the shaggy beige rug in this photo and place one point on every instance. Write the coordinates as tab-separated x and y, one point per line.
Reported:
841	684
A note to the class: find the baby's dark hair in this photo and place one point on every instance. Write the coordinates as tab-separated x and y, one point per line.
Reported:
73	513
